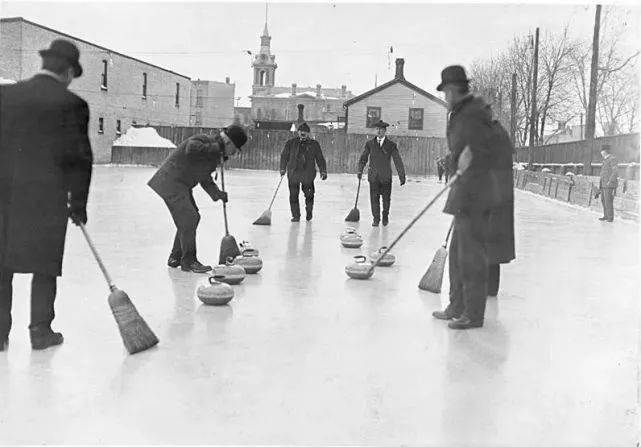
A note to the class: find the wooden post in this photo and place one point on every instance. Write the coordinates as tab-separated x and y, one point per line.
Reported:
513	110
535	75
592	100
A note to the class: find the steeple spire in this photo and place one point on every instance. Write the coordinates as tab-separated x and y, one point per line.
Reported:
265	31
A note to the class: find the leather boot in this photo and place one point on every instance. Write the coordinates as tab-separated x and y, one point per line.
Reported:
42	337
464	323
195	267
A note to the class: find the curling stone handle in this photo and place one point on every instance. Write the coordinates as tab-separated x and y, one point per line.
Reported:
454	179
229	260
360	259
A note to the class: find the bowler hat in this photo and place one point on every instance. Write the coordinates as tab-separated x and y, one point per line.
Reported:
381	123
67	51
236	134
303	127
454	74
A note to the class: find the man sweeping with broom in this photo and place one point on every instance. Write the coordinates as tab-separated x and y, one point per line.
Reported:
470	200
191	163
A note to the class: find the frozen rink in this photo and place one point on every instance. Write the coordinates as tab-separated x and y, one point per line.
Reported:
304	355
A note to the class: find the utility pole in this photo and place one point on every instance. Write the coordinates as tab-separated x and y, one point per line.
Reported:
513	110
581	128
591	116
535	75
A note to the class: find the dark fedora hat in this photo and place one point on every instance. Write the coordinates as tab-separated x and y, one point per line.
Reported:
381	123
67	51
304	127
454	74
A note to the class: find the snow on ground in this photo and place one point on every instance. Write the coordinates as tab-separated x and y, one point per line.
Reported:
143	137
304	355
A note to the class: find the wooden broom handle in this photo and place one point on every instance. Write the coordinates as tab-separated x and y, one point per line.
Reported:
447	238
358	190
222	182
276	192
97	256
454	178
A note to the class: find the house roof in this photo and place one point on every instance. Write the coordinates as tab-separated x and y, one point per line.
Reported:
381	87
20	19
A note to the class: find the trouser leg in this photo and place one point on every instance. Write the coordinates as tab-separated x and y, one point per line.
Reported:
176	249
308	191
374	198
456	305
294	188
386	193
43	295
473	262
6	299
493	279
608	195
186	217
440	174
604	203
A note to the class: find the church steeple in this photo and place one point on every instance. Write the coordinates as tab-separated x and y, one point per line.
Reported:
264	62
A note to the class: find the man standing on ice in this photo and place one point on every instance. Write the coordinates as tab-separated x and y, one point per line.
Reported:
45	172
299	158
192	162
379	150
471	200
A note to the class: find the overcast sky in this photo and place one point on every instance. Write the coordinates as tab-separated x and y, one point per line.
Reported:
314	43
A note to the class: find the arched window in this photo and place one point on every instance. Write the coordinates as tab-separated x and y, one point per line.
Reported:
261	78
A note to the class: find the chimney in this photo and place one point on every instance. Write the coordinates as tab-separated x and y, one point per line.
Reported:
343	91
300	113
399	69
293	89
318	90
227	80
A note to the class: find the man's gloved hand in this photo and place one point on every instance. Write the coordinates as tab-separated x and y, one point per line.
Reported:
403	181
359	175
222	195
282	173
78	213
323	175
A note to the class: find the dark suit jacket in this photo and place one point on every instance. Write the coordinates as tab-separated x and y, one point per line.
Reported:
609	173
299	159
44	142
191	163
380	166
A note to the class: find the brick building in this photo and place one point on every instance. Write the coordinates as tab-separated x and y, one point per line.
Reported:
212	103
410	110
121	90
272	103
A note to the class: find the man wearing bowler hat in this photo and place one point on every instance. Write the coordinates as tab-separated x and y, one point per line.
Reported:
379	150
192	163
44	177
471	199
299	159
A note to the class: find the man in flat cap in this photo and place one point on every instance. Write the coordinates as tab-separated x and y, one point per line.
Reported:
379	150
299	159
45	172
608	183
192	163
472	136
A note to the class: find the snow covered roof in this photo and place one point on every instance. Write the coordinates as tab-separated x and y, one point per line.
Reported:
143	137
7	81
302	94
332	125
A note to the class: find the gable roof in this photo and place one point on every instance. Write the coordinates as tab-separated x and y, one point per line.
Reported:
381	87
23	20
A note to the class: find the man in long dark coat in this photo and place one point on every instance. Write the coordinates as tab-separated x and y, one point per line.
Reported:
470	200
299	159
608	183
192	163
379	151
46	172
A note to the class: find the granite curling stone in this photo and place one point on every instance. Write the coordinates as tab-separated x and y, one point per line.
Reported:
215	293
251	264
351	239
360	269
386	260
230	273
247	248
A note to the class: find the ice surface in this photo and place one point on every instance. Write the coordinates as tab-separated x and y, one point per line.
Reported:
304	355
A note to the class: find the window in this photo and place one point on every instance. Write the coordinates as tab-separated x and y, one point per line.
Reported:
118	127
329	107
199	98
177	94
373	115
144	86
101	125
261	78
103	81
416	119
199	119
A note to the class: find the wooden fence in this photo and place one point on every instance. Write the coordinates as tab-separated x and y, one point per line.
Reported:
263	149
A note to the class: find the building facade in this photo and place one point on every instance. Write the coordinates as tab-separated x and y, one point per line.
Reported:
212	103
273	103
410	110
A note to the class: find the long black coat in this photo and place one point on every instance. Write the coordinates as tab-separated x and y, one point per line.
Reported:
44	140
191	163
478	189
299	160
380	166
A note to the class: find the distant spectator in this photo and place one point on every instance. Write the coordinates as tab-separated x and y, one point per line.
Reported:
440	167
608	183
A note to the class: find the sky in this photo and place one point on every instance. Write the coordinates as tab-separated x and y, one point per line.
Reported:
315	43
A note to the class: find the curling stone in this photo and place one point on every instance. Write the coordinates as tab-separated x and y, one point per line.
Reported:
360	269
351	239
251	264
231	273
216	293
386	261
246	247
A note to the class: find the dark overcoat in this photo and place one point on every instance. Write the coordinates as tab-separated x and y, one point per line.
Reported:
191	163
300	158
380	166
44	139
609	171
